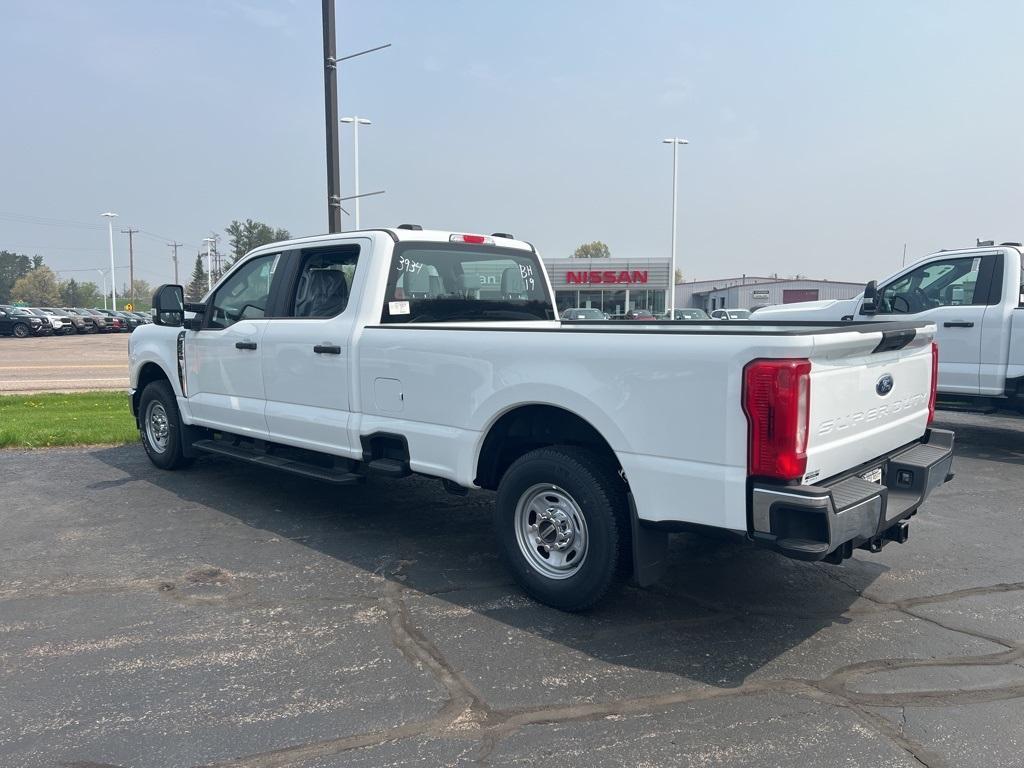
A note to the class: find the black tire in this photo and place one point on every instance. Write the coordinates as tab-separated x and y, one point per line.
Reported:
21	331
160	426
595	492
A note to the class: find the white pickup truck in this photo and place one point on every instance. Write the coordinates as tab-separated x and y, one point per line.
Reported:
974	296
400	351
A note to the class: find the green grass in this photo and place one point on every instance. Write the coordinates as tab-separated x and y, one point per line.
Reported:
81	418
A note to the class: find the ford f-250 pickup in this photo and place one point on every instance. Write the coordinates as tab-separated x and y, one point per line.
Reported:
974	296
397	351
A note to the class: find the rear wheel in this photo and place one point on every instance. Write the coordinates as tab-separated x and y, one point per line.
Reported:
21	331
559	521
160	426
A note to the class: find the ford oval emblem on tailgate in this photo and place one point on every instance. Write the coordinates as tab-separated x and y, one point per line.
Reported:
884	385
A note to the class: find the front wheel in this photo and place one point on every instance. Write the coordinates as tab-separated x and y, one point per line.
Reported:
160	426
559	520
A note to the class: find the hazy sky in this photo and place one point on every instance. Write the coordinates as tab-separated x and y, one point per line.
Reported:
823	135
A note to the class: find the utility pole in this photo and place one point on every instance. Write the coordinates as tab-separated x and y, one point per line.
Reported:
331	118
131	262
175	245
209	266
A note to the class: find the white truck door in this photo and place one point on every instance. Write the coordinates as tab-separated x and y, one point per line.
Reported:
222	359
952	292
306	354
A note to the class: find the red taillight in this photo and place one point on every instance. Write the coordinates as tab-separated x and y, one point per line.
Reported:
474	239
777	400
935	383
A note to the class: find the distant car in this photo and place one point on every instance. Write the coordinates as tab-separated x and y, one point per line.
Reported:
639	314
116	322
104	324
583	313
60	323
142	316
82	322
689	313
130	319
17	321
730	314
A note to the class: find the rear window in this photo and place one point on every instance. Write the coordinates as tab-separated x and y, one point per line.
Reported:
431	283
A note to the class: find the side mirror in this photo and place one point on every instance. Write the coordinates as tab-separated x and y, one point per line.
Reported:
870	304
169	305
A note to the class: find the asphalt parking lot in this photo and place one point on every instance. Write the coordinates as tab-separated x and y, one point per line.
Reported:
63	363
228	616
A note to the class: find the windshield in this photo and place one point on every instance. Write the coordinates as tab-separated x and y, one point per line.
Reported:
439	282
583	314
691	314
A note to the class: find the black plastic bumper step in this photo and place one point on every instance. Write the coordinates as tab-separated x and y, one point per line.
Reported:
389	467
312	471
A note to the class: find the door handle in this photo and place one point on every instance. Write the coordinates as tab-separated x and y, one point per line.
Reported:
958	324
327	349
245	345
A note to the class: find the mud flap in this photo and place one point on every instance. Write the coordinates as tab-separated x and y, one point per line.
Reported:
650	550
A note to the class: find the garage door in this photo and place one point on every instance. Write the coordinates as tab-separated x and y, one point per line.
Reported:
792	295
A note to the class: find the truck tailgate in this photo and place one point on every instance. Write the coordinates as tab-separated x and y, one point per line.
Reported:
866	399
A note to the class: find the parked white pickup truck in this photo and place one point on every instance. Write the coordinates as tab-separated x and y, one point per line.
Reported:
396	351
976	299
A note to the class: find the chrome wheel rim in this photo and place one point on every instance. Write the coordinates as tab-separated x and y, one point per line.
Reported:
551	531
157	426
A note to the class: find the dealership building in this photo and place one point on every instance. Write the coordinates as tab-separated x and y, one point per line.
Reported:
612	285
748	292
616	285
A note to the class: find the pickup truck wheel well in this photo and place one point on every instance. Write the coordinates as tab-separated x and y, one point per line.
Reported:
150	372
529	427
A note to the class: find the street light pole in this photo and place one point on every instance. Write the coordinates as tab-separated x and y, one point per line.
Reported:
356	121
675	142
113	281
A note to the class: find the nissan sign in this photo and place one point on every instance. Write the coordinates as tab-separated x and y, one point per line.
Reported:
594	277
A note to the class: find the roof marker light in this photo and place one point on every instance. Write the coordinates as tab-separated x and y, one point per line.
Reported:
474	239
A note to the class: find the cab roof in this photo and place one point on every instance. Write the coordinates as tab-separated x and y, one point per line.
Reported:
404	235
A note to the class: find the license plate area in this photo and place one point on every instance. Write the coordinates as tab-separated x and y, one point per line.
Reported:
873	475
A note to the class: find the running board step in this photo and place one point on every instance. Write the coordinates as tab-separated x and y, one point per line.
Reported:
224	448
389	467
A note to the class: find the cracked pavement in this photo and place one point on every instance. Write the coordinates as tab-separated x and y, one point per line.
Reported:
227	616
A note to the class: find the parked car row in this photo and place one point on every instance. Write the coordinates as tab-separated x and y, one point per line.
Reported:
23	322
683	313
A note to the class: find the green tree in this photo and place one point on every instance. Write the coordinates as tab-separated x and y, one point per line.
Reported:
244	236
12	267
89	295
141	290
37	288
594	250
679	276
197	285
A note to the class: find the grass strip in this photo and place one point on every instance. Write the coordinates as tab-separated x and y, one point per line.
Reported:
79	418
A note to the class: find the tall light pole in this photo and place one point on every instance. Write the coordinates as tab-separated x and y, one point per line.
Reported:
209	271
675	142
356	122
110	231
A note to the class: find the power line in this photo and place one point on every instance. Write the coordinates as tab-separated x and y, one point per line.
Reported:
45	221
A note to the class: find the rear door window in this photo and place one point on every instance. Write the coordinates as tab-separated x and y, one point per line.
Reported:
324	282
